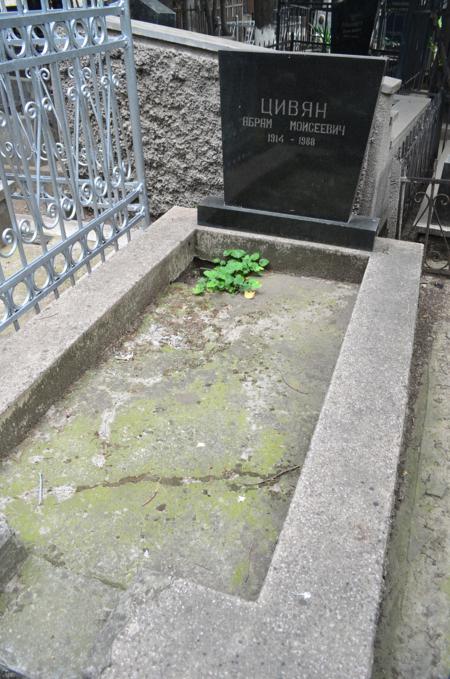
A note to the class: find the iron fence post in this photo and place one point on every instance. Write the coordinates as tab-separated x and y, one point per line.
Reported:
134	108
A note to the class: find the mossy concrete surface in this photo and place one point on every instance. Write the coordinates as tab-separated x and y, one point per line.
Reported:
180	452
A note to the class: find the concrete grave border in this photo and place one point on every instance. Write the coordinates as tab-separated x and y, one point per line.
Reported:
316	614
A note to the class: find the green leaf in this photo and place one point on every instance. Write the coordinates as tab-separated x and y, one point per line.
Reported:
199	288
231	275
253	283
236	254
233	265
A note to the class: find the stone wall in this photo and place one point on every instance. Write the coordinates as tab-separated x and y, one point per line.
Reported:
178	90
180	113
373	193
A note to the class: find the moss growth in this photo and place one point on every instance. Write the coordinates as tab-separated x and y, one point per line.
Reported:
146	460
270	451
240	576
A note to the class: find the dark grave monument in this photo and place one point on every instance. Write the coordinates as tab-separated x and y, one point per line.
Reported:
153	12
352	25
294	133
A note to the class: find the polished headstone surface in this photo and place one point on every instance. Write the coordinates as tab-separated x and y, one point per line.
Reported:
358	232
295	129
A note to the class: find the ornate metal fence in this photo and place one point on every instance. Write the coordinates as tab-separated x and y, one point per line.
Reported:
72	181
303	27
431	224
417	153
418	150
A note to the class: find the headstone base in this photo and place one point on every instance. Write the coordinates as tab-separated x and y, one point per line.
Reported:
359	232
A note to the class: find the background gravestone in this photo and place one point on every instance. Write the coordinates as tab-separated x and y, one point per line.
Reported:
152	11
352	25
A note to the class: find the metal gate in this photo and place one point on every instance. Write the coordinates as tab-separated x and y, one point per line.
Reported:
71	159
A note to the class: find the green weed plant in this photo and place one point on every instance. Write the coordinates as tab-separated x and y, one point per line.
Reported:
232	273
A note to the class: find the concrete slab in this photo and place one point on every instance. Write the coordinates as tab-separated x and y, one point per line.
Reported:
63	341
49	615
12	553
316	613
407	108
181	451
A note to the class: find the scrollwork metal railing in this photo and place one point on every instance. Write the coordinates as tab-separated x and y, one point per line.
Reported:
418	150
431	224
71	163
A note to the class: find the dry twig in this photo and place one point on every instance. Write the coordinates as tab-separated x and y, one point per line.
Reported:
275	477
150	498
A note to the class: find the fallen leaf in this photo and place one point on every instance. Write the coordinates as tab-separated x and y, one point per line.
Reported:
249	294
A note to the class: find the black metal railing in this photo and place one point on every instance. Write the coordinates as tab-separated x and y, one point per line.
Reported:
304	26
408	32
196	19
431	223
390	25
417	153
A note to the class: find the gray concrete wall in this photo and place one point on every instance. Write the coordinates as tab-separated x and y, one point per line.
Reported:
373	190
178	86
180	113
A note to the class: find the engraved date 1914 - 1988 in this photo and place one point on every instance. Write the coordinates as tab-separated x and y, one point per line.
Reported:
273	138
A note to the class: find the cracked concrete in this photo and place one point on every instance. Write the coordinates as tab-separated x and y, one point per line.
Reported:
179	453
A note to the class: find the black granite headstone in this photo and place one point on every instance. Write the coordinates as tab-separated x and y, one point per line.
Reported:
295	129
153	12
294	133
